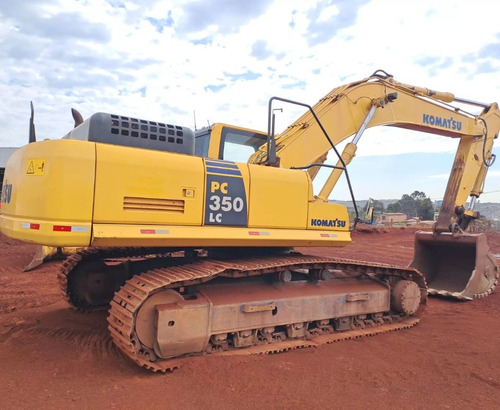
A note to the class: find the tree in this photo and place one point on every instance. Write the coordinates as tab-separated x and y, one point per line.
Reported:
394	207
408	205
425	209
418	195
416	204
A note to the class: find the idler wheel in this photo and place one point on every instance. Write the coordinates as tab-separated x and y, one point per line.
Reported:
405	297
145	324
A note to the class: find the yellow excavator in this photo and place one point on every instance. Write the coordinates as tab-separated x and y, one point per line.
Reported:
192	251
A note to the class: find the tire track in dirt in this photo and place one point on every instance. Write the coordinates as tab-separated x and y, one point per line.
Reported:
95	343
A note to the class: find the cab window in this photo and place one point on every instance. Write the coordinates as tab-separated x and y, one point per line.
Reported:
202	142
239	145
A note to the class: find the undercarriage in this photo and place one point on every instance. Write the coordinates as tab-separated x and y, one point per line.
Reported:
169	305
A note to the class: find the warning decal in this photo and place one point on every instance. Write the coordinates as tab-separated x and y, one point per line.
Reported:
36	167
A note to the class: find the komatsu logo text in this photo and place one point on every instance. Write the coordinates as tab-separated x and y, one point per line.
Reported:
449	123
331	223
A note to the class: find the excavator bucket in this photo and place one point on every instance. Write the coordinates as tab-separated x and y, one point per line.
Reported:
459	266
47	253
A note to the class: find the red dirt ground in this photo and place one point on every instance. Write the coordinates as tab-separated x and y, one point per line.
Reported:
53	357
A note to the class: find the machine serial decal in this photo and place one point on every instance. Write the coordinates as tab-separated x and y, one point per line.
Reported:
226	201
6	193
449	123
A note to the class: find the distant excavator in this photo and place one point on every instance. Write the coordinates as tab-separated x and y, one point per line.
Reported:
192	250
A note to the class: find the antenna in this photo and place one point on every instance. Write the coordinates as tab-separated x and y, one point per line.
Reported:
194	115
32	134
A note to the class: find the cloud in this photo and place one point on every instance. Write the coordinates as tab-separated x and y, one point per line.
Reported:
160	24
67	78
133	12
260	50
248	75
20	47
469	58
215	88
486	67
425	61
226	15
491	50
297	84
19	10
328	17
488	52
434	64
69	26
33	19
203	41
292	21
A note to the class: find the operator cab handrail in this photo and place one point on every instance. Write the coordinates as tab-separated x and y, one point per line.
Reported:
272	159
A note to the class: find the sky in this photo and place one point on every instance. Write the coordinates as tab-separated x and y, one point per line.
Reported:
165	60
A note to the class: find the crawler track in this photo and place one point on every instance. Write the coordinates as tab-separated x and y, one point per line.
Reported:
85	260
128	300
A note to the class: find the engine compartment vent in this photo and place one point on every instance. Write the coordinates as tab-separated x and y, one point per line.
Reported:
153	204
134	132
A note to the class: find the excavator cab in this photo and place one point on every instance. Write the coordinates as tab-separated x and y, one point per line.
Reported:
228	142
460	266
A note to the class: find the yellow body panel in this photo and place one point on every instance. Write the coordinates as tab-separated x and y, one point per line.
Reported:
140	186
52	189
323	216
42	232
212	236
106	195
279	198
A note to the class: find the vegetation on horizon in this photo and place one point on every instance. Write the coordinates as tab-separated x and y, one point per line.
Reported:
414	205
